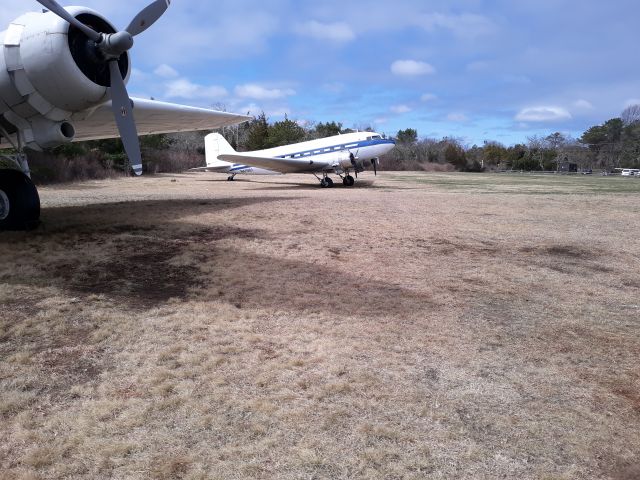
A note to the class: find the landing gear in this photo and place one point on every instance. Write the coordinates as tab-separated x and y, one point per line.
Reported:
348	181
19	201
326	182
231	178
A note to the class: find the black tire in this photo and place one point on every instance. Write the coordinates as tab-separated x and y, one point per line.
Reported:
329	182
230	178
19	201
348	181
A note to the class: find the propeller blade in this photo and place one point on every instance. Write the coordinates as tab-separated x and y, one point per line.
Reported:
147	17
54	7
123	112
375	166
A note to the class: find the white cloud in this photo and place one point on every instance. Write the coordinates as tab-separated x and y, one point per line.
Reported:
428	97
258	92
411	68
166	71
466	25
400	109
255	109
183	88
457	117
542	114
583	104
335	32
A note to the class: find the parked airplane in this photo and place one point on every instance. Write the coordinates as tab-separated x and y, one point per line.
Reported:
340	154
63	73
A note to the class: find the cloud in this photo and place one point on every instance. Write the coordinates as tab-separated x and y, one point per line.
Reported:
334	32
165	71
184	88
466	25
255	109
583	104
400	109
411	68
543	114
257	92
457	117
428	97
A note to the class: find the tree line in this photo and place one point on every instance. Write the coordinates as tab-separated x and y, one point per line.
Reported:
613	144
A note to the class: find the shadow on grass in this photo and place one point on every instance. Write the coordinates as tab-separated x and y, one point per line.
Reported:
138	255
311	184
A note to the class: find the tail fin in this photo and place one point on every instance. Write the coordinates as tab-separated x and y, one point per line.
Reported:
214	145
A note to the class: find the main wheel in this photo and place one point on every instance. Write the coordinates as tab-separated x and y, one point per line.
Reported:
230	178
329	182
19	201
348	181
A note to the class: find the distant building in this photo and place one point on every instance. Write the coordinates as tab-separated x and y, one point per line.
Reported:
568	167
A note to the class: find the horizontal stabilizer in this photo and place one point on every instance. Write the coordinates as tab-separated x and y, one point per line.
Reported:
221	169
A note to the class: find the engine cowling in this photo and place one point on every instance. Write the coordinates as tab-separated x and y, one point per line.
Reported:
49	70
344	159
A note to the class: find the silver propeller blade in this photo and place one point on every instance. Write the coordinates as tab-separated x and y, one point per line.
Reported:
123	112
53	6
147	17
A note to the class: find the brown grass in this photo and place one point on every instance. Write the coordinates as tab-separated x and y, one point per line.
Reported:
188	327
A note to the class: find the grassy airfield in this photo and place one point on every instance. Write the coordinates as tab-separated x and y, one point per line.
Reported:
420	326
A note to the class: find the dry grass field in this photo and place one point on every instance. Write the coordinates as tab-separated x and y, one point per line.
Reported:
419	326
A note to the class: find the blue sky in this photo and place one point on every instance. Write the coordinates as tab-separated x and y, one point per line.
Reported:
480	70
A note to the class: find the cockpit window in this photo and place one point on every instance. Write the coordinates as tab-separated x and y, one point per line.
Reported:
376	137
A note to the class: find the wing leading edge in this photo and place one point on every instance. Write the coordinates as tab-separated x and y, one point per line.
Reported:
152	117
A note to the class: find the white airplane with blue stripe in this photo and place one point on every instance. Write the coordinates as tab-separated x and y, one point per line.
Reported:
340	155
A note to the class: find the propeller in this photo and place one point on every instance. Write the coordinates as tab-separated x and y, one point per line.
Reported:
110	47
374	162
353	157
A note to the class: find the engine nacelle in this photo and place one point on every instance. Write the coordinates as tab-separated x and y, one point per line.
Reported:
49	71
344	159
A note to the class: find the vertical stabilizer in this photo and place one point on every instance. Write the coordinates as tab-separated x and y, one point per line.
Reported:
214	145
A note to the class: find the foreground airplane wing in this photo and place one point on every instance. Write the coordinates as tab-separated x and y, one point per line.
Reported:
151	117
281	165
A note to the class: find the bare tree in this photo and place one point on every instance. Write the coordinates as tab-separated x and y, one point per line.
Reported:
631	114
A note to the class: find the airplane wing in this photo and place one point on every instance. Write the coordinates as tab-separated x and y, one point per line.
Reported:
151	117
281	165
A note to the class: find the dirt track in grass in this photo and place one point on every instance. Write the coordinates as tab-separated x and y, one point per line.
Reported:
418	326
